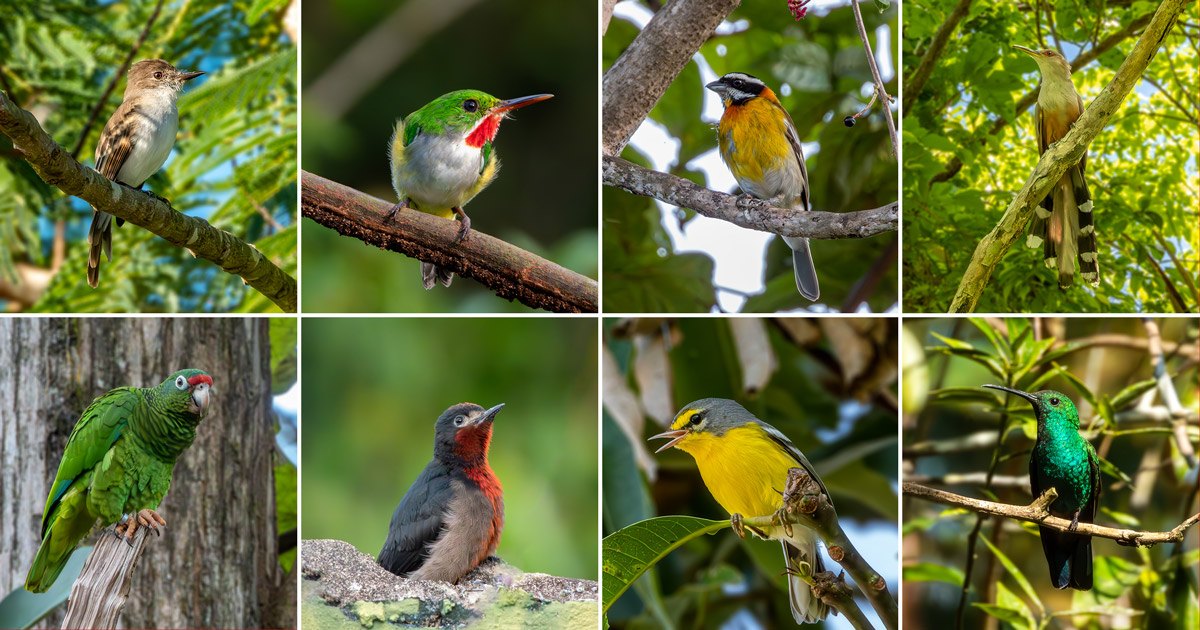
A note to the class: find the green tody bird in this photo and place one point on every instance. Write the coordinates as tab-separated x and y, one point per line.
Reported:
117	466
1063	460
442	156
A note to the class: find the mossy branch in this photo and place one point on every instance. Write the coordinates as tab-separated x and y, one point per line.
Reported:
509	271
56	166
1060	156
1038	512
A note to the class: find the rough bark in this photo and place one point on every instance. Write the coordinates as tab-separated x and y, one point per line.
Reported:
509	271
746	211
217	562
640	76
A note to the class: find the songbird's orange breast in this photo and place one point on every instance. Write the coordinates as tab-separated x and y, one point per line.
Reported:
752	138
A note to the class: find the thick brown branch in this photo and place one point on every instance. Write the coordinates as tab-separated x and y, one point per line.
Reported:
640	76
99	594
1038	512
746	211
59	169
1055	161
509	271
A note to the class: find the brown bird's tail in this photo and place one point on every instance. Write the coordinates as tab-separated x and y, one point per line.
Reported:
1063	228
99	240
432	274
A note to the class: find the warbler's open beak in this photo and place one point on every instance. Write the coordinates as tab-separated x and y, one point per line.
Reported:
1016	392
675	436
188	76
487	416
517	103
1028	51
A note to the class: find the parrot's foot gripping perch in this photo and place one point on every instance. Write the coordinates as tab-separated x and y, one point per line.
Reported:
145	518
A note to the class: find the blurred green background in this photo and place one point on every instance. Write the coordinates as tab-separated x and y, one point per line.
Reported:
544	199
370	404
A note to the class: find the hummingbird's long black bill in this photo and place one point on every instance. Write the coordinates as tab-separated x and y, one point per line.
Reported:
517	103
1016	392
488	415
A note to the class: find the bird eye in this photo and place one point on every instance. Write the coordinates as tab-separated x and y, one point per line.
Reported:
470	105
158	75
1054	402
696	419
738	83
181	382
458	420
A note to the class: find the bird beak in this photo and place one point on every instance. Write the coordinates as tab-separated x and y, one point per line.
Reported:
188	76
1028	51
716	86
201	393
487	416
517	103
1016	392
675	436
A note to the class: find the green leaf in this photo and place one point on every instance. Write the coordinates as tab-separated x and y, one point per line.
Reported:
22	609
1016	573
632	550
930	572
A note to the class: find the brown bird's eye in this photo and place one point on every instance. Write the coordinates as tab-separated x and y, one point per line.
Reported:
470	104
158	75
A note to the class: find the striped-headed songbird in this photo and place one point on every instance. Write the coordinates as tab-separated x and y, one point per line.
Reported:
1064	226
442	156
744	463
1063	460
759	144
450	519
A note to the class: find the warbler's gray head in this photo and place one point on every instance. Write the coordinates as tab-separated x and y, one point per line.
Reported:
704	418
1049	61
737	87
156	74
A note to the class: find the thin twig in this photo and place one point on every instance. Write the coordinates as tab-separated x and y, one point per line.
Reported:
1038	512
1166	392
880	90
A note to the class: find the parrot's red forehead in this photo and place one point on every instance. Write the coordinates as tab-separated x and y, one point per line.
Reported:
200	378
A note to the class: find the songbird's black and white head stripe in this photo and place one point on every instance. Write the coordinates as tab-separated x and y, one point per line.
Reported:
737	87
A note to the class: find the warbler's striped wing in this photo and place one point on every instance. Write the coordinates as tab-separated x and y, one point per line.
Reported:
787	445
97	431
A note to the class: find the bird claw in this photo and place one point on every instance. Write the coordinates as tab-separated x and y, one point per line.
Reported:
143	518
391	215
1074	523
735	520
464	228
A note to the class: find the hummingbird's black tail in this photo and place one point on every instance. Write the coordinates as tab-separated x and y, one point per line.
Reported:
1070	558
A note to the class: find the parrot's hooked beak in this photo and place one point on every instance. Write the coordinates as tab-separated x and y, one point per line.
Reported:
201	394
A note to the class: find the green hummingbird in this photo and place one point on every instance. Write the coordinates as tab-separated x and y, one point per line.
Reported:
1063	460
442	156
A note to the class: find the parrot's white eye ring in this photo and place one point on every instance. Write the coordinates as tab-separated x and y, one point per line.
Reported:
181	382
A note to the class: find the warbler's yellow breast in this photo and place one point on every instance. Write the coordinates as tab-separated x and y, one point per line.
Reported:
753	139
744	469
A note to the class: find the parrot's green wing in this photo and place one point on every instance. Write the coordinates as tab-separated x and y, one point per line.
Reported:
97	430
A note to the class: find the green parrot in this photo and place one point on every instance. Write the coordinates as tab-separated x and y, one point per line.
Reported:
117	466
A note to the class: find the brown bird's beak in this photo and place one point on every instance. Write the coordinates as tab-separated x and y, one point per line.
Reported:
1016	392
188	76
1028	51
517	103
487	416
675	436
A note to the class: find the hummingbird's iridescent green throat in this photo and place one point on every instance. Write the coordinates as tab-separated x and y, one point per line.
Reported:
442	157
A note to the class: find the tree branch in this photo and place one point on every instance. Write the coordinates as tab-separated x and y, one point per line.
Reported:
59	169
880	92
806	505
1039	512
509	271
1059	157
916	80
746	211
99	593
640	76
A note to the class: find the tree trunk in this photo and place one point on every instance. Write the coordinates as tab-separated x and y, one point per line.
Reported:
217	562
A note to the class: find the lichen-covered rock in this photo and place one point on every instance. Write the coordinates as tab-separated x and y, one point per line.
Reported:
345	588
